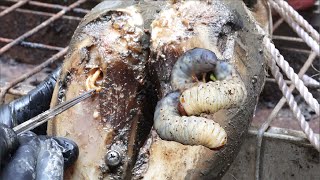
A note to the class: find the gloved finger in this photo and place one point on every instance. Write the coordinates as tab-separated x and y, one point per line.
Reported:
55	154
30	105
23	163
69	149
8	143
50	160
41	157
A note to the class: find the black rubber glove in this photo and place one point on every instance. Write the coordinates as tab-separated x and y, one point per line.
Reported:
30	105
29	156
8	143
36	157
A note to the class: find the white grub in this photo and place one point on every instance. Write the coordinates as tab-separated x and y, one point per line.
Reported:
194	62
186	130
197	98
213	96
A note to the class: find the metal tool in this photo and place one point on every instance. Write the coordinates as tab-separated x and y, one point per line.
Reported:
47	115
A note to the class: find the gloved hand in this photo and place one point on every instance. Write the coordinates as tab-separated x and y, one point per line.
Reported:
29	156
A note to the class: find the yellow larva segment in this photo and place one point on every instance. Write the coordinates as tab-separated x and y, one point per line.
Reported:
213	96
91	81
184	129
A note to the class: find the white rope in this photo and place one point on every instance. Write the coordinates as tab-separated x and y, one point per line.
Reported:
300	31
299	19
277	57
284	65
292	103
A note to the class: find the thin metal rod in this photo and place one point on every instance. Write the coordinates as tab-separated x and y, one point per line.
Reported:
13	7
277	24
49	114
55	6
43	13
33	45
313	86
39	27
296	50
16	92
30	73
287	38
274	113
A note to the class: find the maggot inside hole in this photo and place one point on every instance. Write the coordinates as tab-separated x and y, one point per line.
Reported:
94	79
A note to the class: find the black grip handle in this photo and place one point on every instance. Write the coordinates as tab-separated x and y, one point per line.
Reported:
8	143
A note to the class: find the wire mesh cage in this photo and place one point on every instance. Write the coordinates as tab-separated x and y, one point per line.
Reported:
34	38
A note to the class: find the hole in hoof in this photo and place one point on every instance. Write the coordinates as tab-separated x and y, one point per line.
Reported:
94	80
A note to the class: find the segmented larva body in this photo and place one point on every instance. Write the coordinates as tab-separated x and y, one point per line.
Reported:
196	61
196	98
213	96
188	130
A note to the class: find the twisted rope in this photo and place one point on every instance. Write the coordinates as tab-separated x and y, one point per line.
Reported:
290	99
274	112
300	31
298	18
285	10
277	57
284	65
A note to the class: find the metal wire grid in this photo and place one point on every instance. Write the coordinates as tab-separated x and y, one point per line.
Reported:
18	6
61	51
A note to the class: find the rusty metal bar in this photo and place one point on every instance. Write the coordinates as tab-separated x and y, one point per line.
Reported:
55	6
287	38
277	24
13	7
33	45
43	13
295	50
32	72
17	92
21	90
312	86
39	27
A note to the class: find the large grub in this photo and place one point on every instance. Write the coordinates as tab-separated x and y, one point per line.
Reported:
114	39
182	27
